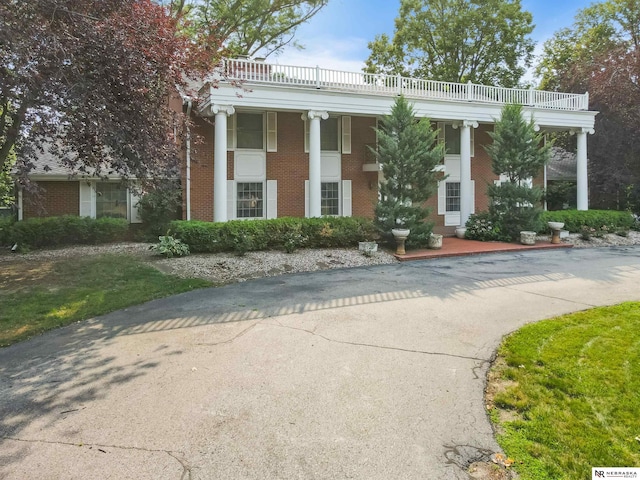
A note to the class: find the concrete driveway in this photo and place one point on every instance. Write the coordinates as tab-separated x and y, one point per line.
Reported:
368	373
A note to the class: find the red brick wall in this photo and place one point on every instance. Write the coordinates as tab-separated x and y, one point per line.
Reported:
201	172
364	185
289	166
57	198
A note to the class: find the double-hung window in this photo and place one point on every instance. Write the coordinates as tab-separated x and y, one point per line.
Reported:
330	198
453	196
250	200
250	131
111	200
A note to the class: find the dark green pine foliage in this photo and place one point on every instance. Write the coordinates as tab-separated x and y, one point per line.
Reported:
519	153
408	151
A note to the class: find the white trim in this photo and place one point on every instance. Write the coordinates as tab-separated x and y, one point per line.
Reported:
346	134
87	197
346	202
20	208
272	131
271	201
132	207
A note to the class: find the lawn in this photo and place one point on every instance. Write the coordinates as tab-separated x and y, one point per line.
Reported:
41	295
564	394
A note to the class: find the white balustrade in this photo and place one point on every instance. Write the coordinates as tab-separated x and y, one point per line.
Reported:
253	72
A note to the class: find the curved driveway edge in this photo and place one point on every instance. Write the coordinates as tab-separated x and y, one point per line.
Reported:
373	372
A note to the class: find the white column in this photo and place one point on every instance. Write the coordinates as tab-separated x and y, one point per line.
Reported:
466	195
581	174
315	174
220	162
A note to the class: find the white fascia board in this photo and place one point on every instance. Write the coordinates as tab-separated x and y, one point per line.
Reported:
297	99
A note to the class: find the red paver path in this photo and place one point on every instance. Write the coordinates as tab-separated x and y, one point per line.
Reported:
454	247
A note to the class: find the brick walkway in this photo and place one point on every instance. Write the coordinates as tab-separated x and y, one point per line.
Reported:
454	247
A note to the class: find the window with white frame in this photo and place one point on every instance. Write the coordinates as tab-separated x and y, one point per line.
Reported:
453	197
330	198
250	131
250	200
329	135
111	200
452	140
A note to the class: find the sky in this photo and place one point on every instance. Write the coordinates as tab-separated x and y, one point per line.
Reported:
337	37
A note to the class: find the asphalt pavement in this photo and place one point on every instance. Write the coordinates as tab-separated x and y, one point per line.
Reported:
365	373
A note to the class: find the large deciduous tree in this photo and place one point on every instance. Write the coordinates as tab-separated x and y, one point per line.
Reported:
246	27
90	80
482	41
601	53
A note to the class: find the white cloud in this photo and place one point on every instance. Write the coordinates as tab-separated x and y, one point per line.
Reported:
346	54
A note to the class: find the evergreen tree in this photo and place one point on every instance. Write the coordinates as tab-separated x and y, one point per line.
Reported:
517	152
408	151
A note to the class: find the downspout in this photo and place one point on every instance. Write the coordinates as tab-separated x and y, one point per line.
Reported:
188	173
545	180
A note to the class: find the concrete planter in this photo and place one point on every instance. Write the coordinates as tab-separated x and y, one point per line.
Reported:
435	241
461	232
527	238
400	234
368	247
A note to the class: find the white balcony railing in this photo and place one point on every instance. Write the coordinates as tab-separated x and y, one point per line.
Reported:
253	72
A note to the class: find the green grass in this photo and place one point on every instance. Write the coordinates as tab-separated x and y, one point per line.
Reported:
40	296
572	394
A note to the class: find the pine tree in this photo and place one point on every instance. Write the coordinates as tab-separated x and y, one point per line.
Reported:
408	151
519	153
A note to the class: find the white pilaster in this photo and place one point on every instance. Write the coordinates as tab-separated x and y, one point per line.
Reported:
466	188
582	171
315	174
220	162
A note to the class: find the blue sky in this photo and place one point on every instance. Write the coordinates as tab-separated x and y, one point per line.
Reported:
337	37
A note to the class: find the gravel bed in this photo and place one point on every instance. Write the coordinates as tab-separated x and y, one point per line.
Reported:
227	268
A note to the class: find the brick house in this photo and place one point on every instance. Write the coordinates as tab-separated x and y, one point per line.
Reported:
294	141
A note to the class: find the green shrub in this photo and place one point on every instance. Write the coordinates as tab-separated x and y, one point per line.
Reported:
481	227
241	236
6	223
574	220
65	230
169	247
158	208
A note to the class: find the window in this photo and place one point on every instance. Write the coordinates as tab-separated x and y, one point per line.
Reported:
111	200
330	199
250	200
453	197
249	131
452	140
329	134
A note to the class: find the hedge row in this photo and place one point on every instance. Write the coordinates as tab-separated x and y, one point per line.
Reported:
66	230
575	220
280	233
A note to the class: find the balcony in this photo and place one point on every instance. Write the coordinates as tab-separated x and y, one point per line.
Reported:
252	72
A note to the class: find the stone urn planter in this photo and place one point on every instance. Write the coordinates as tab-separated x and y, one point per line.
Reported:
400	234
555	231
461	232
435	241
527	238
368	248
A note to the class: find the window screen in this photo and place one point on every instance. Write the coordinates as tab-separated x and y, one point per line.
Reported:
111	200
250	131
250	200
